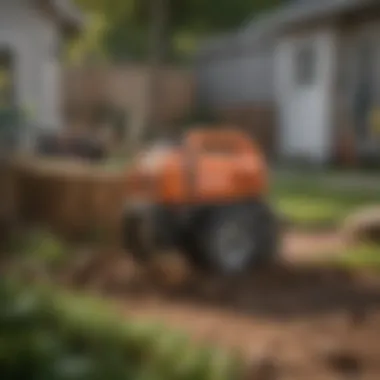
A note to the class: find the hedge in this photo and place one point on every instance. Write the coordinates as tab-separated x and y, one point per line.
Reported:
48	334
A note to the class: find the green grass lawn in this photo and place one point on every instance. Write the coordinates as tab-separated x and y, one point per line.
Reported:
310	201
363	256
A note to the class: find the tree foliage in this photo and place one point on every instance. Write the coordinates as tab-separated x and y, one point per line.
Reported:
121	26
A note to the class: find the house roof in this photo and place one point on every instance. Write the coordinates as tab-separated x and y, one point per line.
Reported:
262	29
69	11
300	11
66	13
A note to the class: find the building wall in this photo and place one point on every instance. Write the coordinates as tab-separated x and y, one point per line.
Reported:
235	80
305	112
34	41
235	85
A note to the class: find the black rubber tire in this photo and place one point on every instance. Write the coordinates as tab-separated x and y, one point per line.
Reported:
131	241
261	225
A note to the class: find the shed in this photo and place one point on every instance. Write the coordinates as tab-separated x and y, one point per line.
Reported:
324	78
32	33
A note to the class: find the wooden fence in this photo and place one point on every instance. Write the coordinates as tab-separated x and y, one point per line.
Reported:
125	87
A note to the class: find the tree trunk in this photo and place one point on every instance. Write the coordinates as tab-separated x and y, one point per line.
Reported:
146	124
157	58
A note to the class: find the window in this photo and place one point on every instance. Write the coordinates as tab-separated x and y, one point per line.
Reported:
305	65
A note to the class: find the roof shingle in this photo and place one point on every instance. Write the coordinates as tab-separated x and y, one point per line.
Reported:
66	12
264	27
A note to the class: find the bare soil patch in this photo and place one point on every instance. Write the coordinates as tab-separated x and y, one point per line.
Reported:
293	321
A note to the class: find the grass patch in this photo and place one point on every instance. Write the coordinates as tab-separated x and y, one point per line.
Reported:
308	211
364	256
313	203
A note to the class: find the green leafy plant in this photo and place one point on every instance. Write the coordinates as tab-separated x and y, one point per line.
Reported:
37	254
362	256
46	333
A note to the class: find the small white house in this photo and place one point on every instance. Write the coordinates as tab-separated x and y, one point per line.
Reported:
325	76
31	37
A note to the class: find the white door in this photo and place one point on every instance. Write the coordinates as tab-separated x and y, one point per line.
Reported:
305	80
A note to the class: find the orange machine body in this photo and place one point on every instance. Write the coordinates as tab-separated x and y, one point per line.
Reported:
206	167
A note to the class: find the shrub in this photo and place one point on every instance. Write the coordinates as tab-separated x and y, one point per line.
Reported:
45	334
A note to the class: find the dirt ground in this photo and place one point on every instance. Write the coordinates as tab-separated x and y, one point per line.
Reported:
293	321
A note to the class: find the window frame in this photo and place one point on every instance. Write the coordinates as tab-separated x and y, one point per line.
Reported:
305	64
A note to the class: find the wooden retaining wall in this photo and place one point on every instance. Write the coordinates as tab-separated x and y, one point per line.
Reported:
75	200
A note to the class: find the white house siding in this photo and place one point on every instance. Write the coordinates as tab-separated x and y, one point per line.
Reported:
235	80
305	113
34	40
